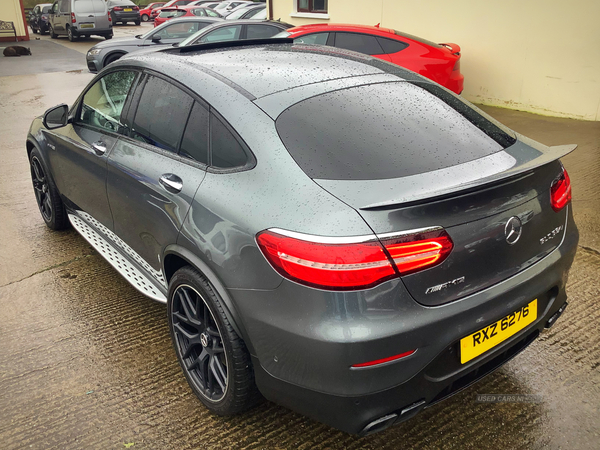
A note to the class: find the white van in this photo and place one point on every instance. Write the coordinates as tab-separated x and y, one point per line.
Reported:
75	18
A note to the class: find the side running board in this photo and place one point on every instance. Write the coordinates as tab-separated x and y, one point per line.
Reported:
115	258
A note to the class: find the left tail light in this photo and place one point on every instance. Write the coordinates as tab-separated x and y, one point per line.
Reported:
560	191
351	265
73	19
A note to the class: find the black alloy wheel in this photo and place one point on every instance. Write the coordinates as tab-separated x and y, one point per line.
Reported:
72	36
47	196
213	357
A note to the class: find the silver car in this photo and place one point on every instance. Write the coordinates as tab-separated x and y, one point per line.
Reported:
169	33
76	18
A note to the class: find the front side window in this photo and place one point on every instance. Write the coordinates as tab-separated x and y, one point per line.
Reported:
102	104
199	12
318	6
179	30
161	114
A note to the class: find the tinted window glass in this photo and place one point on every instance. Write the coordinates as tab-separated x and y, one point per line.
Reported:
317	38
380	131
261	31
418	39
171	13
227	152
390	45
64	6
223	34
179	30
103	102
46	9
357	42
161	114
195	139
211	13
256	14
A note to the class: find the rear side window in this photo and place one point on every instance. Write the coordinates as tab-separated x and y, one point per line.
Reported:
316	38
171	13
380	131
161	114
195	139
391	46
261	31
358	42
227	152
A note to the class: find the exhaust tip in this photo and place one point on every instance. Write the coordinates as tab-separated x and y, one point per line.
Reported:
552	320
379	425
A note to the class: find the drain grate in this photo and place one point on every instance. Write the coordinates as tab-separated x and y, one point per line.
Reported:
116	259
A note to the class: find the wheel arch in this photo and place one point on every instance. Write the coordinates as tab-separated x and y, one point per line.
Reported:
109	55
176	257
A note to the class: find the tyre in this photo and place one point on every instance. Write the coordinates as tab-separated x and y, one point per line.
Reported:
53	35
108	36
43	32
48	199
145	18
214	359
72	36
34	30
112	58
137	22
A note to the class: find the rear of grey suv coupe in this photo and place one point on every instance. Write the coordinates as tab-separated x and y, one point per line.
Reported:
337	233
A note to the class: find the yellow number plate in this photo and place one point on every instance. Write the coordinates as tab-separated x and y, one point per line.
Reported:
128	10
481	341
87	25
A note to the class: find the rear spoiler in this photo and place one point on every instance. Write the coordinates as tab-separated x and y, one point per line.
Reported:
525	155
454	48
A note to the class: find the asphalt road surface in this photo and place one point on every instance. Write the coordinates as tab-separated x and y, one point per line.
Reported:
86	361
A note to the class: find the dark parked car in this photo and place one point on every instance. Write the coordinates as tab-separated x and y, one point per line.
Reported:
173	32
38	18
232	30
123	11
336	232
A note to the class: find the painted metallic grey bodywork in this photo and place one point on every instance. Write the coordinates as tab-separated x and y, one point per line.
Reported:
303	341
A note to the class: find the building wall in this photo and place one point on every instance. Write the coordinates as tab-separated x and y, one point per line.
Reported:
12	11
541	56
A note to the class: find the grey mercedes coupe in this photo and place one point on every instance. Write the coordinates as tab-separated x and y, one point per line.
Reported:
329	230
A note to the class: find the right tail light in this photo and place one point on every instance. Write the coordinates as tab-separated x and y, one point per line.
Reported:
352	265
560	191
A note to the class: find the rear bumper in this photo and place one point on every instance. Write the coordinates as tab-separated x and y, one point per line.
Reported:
130	16
304	342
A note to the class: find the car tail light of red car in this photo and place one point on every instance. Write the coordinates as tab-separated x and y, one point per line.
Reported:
352	265
560	191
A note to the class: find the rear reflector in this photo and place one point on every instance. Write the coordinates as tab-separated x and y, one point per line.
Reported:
384	360
361	264
560	191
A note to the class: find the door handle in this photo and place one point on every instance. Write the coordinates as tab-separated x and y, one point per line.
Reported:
171	182
99	148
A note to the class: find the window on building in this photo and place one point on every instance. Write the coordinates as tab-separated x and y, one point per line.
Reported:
314	6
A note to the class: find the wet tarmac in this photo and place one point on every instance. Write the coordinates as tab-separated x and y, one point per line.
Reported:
86	361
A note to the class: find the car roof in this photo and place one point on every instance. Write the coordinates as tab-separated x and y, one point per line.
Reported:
341	26
261	68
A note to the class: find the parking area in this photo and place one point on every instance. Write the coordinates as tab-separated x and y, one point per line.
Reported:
86	361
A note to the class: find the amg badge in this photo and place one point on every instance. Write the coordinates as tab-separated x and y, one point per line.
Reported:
439	287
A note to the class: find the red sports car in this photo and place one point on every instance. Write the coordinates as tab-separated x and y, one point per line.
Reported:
181	11
438	62
145	13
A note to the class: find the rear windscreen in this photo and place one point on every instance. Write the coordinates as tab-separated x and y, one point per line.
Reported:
84	6
385	130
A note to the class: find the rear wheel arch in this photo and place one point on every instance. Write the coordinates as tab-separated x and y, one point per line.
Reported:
176	257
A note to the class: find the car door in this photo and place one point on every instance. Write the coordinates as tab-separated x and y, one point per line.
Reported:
63	16
54	15
360	42
79	151
150	186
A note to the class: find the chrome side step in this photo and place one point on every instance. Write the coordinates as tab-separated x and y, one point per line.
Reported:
115	258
